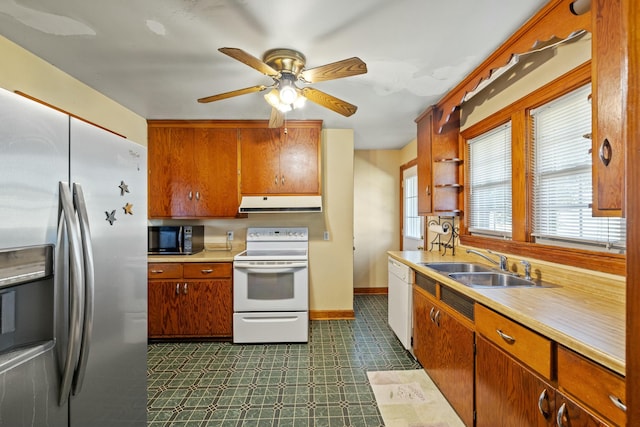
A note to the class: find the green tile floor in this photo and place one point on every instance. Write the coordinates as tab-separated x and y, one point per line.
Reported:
322	383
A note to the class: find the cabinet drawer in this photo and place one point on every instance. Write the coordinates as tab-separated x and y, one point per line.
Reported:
592	384
532	349
200	270
164	270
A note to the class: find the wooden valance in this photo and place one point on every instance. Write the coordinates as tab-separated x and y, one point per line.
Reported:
553	21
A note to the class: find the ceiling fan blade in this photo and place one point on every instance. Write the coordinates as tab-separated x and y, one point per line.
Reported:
249	60
328	101
233	93
336	70
277	118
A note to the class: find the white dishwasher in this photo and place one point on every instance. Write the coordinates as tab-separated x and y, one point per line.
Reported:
401	279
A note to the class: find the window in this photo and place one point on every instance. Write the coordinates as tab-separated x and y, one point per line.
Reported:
561	168
489	182
412	222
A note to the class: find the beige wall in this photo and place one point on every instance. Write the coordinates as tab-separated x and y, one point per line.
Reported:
409	152
22	71
331	262
376	214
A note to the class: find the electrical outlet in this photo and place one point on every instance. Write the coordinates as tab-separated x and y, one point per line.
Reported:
326	235
229	235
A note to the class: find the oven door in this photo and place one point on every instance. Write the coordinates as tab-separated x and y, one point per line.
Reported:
261	286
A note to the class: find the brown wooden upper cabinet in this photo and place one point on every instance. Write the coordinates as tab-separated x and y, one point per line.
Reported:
608	70
439	172
281	161
193	171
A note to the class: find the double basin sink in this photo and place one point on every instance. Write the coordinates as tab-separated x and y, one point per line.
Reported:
478	275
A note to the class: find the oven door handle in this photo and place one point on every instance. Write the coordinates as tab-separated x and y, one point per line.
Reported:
270	269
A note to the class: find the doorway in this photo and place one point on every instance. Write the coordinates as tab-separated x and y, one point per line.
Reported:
412	225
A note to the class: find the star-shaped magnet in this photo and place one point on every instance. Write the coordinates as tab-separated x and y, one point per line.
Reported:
111	217
124	188
128	209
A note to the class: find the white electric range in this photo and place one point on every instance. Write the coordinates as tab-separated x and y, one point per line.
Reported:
271	286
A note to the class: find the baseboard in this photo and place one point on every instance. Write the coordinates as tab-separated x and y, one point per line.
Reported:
370	291
332	315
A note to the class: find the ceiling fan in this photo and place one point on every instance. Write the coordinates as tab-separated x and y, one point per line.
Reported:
286	68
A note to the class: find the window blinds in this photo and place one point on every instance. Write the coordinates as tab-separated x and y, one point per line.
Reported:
489	182
561	165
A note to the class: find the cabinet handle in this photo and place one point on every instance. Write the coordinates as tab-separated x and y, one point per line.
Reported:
606	152
275	180
561	415
543	404
207	271
437	316
190	195
507	338
618	403
428	190
282	180
198	195
157	271
177	288
184	289
431	314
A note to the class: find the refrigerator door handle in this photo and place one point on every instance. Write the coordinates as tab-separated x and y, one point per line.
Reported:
89	286
75	290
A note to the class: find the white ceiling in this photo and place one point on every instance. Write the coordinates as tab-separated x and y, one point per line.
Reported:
156	57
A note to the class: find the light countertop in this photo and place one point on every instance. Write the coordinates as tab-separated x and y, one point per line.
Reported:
584	312
210	254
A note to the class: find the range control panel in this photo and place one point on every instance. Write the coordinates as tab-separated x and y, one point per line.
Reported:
276	234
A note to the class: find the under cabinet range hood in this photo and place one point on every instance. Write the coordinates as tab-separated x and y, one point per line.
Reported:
282	204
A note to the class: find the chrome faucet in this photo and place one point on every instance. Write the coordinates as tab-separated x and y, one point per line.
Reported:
503	259
527	269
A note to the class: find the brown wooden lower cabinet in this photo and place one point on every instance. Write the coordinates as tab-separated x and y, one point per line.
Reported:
444	347
189	300
510	394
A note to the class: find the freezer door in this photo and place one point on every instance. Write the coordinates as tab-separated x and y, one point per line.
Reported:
34	148
112	174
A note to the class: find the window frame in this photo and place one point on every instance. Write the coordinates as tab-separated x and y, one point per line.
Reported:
521	242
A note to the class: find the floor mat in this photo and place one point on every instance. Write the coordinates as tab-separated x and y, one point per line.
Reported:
409	398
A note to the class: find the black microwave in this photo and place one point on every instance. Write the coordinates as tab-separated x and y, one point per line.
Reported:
175	239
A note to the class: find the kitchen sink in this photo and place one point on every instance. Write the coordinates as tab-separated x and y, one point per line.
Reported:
457	267
491	279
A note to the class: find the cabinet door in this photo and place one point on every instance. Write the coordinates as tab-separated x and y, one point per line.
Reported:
423	329
608	71
215	172
425	180
206	308
170	168
455	368
300	161
163	308
507	394
570	414
260	161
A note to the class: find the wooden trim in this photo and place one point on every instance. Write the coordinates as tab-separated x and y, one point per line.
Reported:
554	19
371	291
235	124
332	315
39	101
631	17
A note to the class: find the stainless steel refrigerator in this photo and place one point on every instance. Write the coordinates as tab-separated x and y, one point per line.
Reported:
73	296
